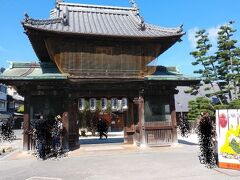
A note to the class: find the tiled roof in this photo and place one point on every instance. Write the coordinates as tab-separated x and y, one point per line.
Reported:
32	71
169	74
99	20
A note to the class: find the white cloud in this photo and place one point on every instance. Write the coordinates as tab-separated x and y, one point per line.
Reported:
212	35
191	37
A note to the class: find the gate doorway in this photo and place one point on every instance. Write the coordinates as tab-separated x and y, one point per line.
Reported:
88	127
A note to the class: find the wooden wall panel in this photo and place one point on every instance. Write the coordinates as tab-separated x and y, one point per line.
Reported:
89	59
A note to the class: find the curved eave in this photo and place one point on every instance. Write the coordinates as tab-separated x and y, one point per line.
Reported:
29	78
30	27
177	79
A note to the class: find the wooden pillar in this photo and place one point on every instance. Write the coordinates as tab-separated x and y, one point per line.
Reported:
70	125
26	124
65	120
129	124
173	118
141	122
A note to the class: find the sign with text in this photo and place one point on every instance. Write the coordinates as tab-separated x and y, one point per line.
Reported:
228	136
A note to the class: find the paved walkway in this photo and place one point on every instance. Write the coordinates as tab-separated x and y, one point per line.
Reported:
116	162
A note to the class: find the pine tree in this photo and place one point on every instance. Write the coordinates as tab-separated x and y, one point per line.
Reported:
226	56
208	72
222	68
198	107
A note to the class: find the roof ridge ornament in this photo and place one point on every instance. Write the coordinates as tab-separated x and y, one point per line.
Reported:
134	4
26	17
180	28
142	25
59	1
142	22
65	16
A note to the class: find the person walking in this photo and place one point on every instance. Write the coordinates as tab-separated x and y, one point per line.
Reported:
102	128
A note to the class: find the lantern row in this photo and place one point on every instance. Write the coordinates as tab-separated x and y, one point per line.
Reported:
116	104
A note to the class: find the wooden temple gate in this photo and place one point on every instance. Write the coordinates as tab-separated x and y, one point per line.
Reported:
106	56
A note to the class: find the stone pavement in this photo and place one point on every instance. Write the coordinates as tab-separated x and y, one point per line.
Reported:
116	162
15	145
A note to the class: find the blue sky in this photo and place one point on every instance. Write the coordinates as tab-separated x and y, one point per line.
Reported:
194	14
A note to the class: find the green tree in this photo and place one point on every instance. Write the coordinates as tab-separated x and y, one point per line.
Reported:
207	64
88	119
227	58
198	107
220	68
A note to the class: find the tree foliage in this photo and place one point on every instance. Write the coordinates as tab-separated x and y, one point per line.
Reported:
88	119
198	107
218	70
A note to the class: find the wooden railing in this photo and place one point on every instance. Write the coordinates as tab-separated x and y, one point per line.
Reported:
158	136
158	133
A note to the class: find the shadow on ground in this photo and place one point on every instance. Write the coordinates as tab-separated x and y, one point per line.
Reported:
101	141
187	143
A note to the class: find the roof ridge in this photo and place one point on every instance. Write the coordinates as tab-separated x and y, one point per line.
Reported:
164	29
98	6
24	64
33	21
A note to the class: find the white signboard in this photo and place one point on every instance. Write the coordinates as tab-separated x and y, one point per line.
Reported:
228	136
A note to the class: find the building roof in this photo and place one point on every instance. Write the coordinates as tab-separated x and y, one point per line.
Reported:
169	74
99	20
32	71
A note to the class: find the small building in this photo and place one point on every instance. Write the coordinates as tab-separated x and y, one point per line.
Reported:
10	101
92	52
3	98
14	103
4	115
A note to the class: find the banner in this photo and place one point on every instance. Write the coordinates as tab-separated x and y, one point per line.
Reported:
228	136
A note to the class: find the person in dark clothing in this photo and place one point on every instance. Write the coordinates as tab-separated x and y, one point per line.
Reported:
57	134
102	128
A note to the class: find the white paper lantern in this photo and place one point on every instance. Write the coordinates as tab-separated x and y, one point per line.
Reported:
114	104
103	104
124	104
119	106
93	104
81	104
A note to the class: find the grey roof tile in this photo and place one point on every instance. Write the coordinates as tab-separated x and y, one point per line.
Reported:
99	20
31	71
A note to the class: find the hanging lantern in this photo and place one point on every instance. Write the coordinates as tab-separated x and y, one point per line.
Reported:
119	105
114	104
104	104
124	104
81	104
93	104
